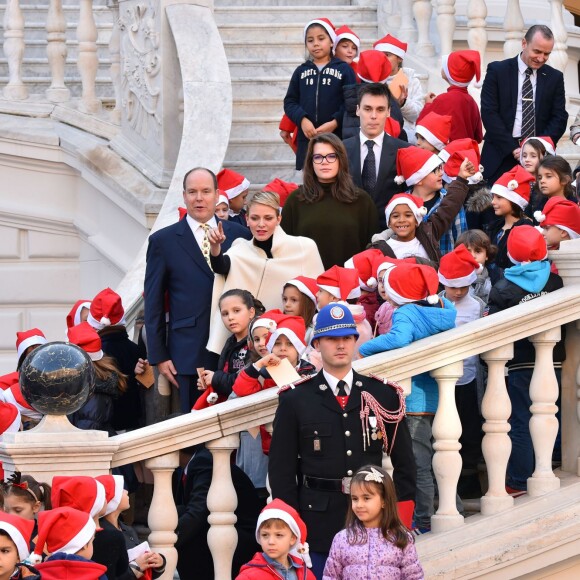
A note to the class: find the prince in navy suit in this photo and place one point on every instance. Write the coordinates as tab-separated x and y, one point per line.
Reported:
176	267
501	103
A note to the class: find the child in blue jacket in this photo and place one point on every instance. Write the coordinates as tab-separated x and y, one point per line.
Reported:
314	100
412	289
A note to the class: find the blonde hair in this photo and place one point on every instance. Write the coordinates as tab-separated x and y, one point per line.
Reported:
268	198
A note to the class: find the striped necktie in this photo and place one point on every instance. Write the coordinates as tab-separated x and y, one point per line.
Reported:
528	113
369	172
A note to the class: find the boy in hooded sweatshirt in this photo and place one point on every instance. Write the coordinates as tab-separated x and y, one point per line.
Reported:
529	278
68	535
412	289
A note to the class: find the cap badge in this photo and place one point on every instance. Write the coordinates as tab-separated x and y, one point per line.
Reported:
337	312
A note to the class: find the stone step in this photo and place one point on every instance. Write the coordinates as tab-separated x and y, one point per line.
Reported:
264	171
256	149
265	5
273	87
281	32
259	67
254	106
260	127
351	15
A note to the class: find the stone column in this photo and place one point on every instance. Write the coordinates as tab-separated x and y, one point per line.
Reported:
559	55
162	518
56	52
446	24
14	50
447	461
222	502
496	408
514	29
476	27
115	54
88	62
544	424
422	11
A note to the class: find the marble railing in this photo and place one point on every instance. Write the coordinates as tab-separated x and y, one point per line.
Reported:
56	448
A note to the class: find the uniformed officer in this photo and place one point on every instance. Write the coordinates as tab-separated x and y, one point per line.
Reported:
319	439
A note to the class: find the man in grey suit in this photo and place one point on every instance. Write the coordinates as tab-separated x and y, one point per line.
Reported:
372	154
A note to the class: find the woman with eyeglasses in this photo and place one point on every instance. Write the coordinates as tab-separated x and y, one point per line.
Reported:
328	207
261	265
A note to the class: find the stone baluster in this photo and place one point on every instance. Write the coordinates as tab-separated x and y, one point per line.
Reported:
88	61
544	423
162	518
476	30
422	11
446	24
447	461
514	28
56	52
496	408
222	501
115	54
406	30
559	54
14	50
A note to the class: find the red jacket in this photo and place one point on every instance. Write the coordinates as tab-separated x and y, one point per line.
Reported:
257	569
70	567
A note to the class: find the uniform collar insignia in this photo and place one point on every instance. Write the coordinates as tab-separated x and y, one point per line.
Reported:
322	387
359	383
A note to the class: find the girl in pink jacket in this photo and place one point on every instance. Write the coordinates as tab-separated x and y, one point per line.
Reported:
375	544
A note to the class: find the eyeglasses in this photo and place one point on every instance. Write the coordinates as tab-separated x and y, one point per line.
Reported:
438	169
329	157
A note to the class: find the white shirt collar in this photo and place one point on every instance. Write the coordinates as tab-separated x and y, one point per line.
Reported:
333	382
378	139
522	66
194	224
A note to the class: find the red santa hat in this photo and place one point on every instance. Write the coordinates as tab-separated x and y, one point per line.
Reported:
453	164
526	244
363	264
458	145
307	286
182	212
435	129
14	396
268	320
81	492
113	485
561	213
342	283
106	310
414	164
514	185
391	44
231	183
547	142
74	316
414	202
8	380
458	268
373	67
20	532
381	264
407	283
282	188
9	418
461	66
293	328
345	33
63	529
87	338
280	510
392	127
27	338
326	24
223	199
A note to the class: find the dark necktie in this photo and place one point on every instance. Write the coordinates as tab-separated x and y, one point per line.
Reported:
341	389
528	115
369	172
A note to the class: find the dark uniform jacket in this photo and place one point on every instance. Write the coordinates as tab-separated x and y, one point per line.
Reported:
314	437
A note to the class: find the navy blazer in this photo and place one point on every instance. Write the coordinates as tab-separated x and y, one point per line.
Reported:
386	186
499	100
176	265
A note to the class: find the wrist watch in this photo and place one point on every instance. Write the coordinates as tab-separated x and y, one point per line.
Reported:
134	566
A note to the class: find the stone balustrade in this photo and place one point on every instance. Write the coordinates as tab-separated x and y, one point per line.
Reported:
442	355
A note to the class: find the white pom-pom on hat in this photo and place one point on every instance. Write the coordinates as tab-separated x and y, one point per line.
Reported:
212	398
106	321
422	210
371	282
433	299
476	177
539	216
512	184
399	179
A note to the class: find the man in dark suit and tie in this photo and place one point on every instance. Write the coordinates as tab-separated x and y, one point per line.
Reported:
178	266
521	97
372	154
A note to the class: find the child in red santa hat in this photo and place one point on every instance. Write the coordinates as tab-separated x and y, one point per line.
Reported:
236	188
458	69
559	221
281	533
15	537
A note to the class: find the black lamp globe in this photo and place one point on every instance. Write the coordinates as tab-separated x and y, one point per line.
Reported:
57	378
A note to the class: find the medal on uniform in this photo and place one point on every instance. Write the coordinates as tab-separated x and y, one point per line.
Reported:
373	424
316	444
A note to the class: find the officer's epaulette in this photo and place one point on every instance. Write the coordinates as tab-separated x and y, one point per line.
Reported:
391	384
303	379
